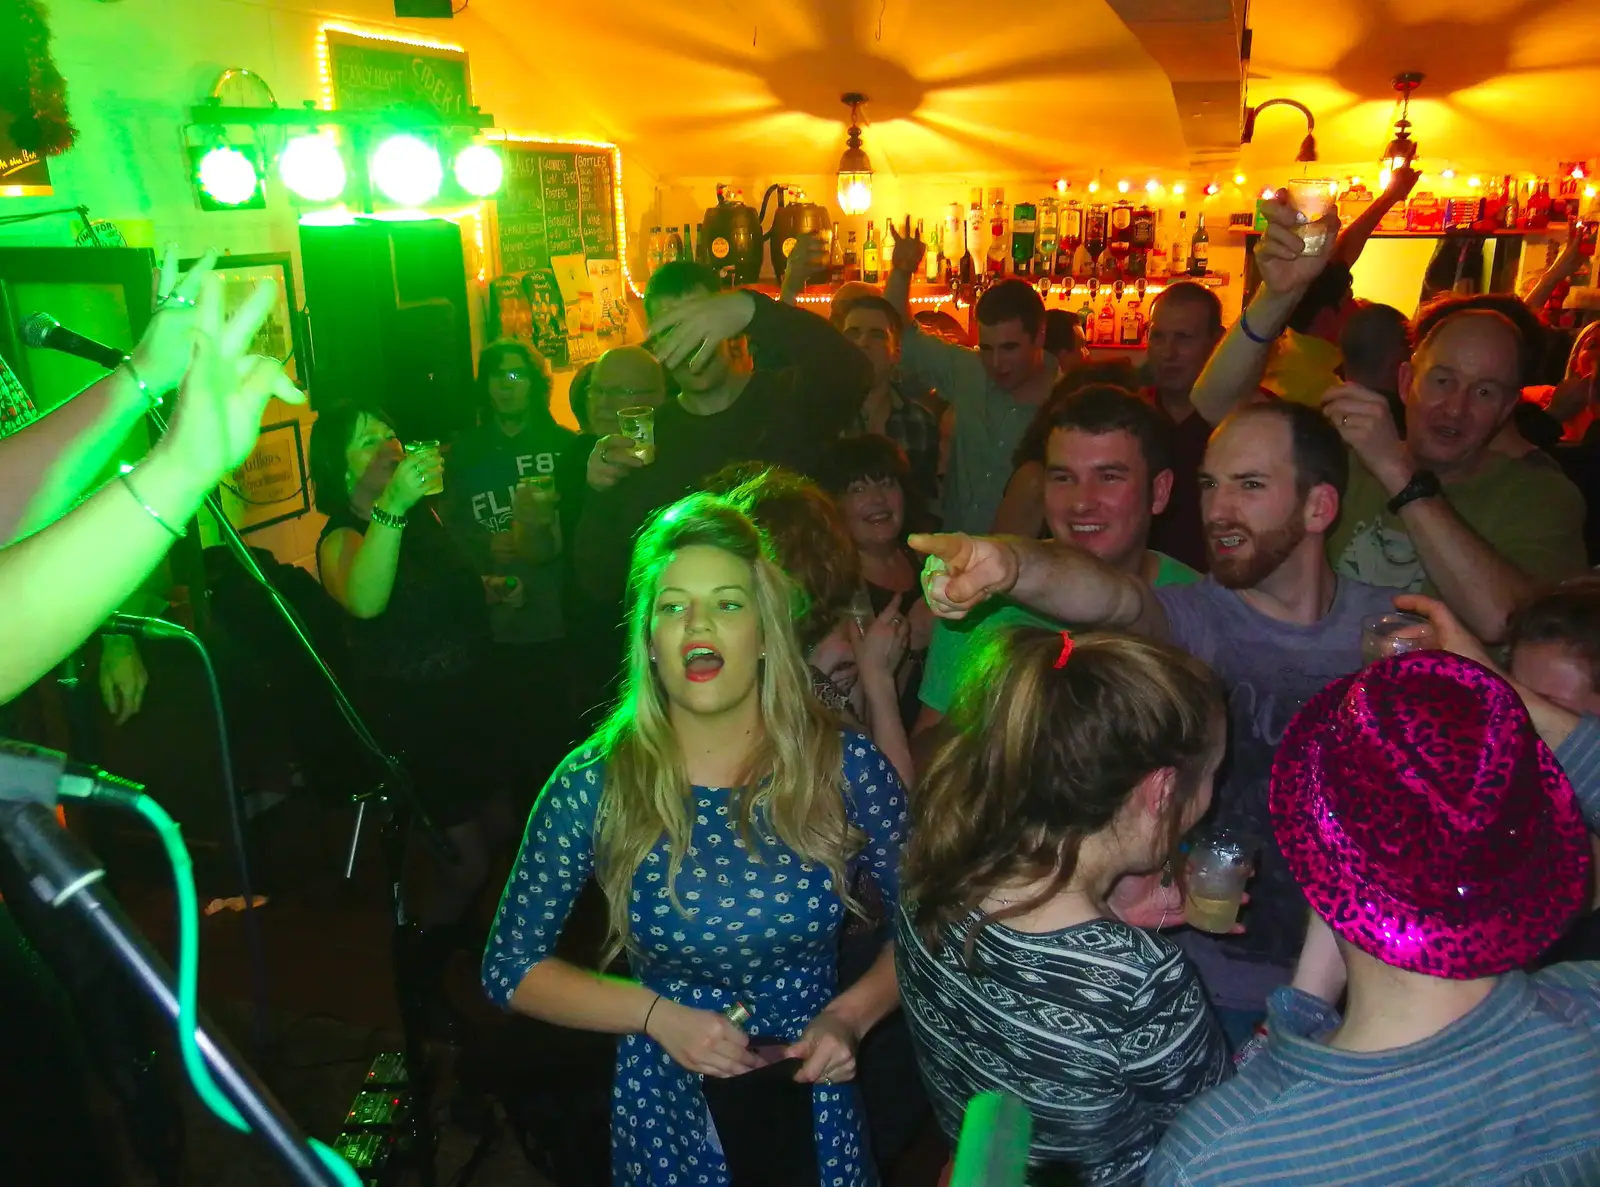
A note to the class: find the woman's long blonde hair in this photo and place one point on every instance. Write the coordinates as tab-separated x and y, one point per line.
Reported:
792	790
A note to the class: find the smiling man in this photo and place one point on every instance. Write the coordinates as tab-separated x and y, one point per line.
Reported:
1272	619
1108	472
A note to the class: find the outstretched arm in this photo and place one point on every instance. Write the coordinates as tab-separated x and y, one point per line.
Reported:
1353	239
1235	367
1567	263
1055	579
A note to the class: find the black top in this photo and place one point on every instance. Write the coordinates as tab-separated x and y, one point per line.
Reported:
436	625
784	417
1178	531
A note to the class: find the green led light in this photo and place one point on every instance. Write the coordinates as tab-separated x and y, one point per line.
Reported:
228	176
312	168
479	170
407	171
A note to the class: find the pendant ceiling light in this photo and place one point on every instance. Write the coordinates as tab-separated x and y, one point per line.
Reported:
1401	150
855	170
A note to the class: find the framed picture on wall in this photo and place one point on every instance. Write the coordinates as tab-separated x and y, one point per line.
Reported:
281	336
270	486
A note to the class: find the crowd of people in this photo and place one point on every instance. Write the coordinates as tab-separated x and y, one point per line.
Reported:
894	682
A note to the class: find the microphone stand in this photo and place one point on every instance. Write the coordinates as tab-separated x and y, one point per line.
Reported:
64	875
394	799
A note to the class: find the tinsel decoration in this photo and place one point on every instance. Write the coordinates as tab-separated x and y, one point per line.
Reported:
32	90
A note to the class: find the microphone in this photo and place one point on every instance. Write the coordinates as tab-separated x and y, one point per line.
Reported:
44	332
143	628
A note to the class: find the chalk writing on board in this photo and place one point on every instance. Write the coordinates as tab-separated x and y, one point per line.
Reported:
370	74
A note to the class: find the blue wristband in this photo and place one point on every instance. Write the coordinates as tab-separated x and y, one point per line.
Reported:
1244	324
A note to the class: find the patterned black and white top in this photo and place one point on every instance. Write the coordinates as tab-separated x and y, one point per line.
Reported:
1101	1029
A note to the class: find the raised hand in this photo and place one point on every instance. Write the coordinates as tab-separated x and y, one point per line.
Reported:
1367	425
610	461
881	648
907	253
1401	182
701	1041
963	571
689	333
163	352
1280	252
416	474
1447	628
225	389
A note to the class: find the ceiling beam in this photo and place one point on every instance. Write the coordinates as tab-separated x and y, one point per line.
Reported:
1197	43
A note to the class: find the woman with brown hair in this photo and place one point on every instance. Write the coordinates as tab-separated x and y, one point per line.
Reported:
1068	772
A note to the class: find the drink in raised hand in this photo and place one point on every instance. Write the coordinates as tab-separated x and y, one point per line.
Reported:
640	425
1218	868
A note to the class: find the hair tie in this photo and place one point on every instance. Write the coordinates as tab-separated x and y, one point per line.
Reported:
1066	650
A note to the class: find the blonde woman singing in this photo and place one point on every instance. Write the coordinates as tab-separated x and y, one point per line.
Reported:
723	812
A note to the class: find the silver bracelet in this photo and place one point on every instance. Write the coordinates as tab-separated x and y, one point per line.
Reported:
151	399
123	477
387	519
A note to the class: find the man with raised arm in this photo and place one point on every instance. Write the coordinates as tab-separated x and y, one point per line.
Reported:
1437	512
1272	618
993	391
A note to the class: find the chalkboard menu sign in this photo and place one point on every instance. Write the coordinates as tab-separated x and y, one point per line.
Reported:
372	74
560	284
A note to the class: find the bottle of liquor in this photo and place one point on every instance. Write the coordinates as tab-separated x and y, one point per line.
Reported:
933	254
1132	323
1070	238
1086	311
1105	329
965	267
997	233
1539	208
1024	235
977	228
1178	253
674	250
656	253
1199	247
1119	237
869	255
1094	231
1511	212
852	259
1142	236
1044	253
836	257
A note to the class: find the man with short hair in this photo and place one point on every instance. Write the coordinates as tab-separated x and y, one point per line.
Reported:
1064	340
1108	472
726	410
1374	343
1272	619
1449	1063
1438	512
1555	645
876	326
1185	324
994	391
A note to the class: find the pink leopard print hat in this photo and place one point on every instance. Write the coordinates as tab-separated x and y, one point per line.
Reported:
1426	821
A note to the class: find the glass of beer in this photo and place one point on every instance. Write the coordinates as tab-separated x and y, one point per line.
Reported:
1395	633
640	425
1219	866
535	495
424	447
1312	198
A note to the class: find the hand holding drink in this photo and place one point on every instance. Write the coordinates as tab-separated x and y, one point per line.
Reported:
1312	199
429	451
1396	633
534	500
1219	866
639	425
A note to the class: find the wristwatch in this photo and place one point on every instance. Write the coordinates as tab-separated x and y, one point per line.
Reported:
1424	484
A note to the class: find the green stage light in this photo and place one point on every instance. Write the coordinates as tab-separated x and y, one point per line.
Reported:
407	171
312	168
228	177
479	170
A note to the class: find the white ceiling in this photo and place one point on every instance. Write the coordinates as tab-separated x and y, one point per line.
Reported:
1059	87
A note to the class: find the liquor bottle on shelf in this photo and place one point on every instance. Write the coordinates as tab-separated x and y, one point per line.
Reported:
1069	240
977	228
852	259
1044	254
1132	323
656	252
1539	208
1105	328
836	257
1511	212
674	247
997	233
1086	311
965	267
1141	238
1119	235
869	255
1094	232
1178	253
1199	247
1024	236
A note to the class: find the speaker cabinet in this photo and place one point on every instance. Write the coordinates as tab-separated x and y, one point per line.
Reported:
386	303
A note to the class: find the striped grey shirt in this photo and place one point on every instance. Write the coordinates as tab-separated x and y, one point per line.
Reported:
1507	1094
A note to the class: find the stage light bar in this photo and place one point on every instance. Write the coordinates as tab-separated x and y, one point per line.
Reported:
479	170
313	169
407	170
228	177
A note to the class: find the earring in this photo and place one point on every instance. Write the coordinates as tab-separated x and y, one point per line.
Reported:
652	657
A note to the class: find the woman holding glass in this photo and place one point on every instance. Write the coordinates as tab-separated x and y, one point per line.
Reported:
417	628
723	812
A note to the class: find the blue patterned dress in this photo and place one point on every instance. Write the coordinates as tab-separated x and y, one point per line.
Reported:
762	931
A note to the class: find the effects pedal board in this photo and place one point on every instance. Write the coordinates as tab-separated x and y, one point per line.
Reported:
378	1119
